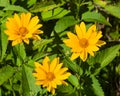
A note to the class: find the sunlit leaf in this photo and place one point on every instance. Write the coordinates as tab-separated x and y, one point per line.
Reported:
113	10
97	87
20	51
54	14
104	57
5	73
44	6
94	17
4	3
15	8
74	81
31	2
4	40
64	23
65	89
28	82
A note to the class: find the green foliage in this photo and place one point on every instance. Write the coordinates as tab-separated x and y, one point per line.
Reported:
94	17
96	87
54	14
6	73
99	75
28	82
113	10
15	8
4	40
68	21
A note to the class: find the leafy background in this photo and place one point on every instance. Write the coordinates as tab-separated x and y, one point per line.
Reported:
98	76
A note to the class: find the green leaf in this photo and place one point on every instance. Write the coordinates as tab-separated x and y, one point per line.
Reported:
20	51
73	66
54	14
1	13
5	73
94	17
64	23
113	10
15	8
39	44
4	3
101	2
28	82
104	57
4	40
74	81
31	2
1	92
97	87
45	6
65	90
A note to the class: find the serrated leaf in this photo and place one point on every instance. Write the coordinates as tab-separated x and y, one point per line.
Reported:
94	17
31	2
45	6
41	43
1	13
104	57
20	51
5	73
64	23
15	8
4	40
28	82
65	90
54	14
113	10
97	87
4	3
73	66
101	3
74	81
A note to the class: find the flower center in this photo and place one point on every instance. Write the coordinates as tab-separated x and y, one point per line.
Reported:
22	31
50	76
83	42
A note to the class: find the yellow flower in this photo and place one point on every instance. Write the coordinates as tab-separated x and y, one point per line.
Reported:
50	74
84	42
22	28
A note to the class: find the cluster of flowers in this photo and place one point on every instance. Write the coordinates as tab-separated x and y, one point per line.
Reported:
51	73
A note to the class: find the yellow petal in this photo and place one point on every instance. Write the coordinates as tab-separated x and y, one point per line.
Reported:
71	35
73	42
58	67
17	41
46	64
33	22
83	28
64	76
78	31
100	43
53	64
83	55
61	71
26	40
17	19
74	56
27	19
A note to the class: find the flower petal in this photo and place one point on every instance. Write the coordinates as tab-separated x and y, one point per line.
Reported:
74	56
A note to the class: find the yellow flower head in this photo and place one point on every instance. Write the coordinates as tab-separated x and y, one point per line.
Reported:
50	74
84	42
21	28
